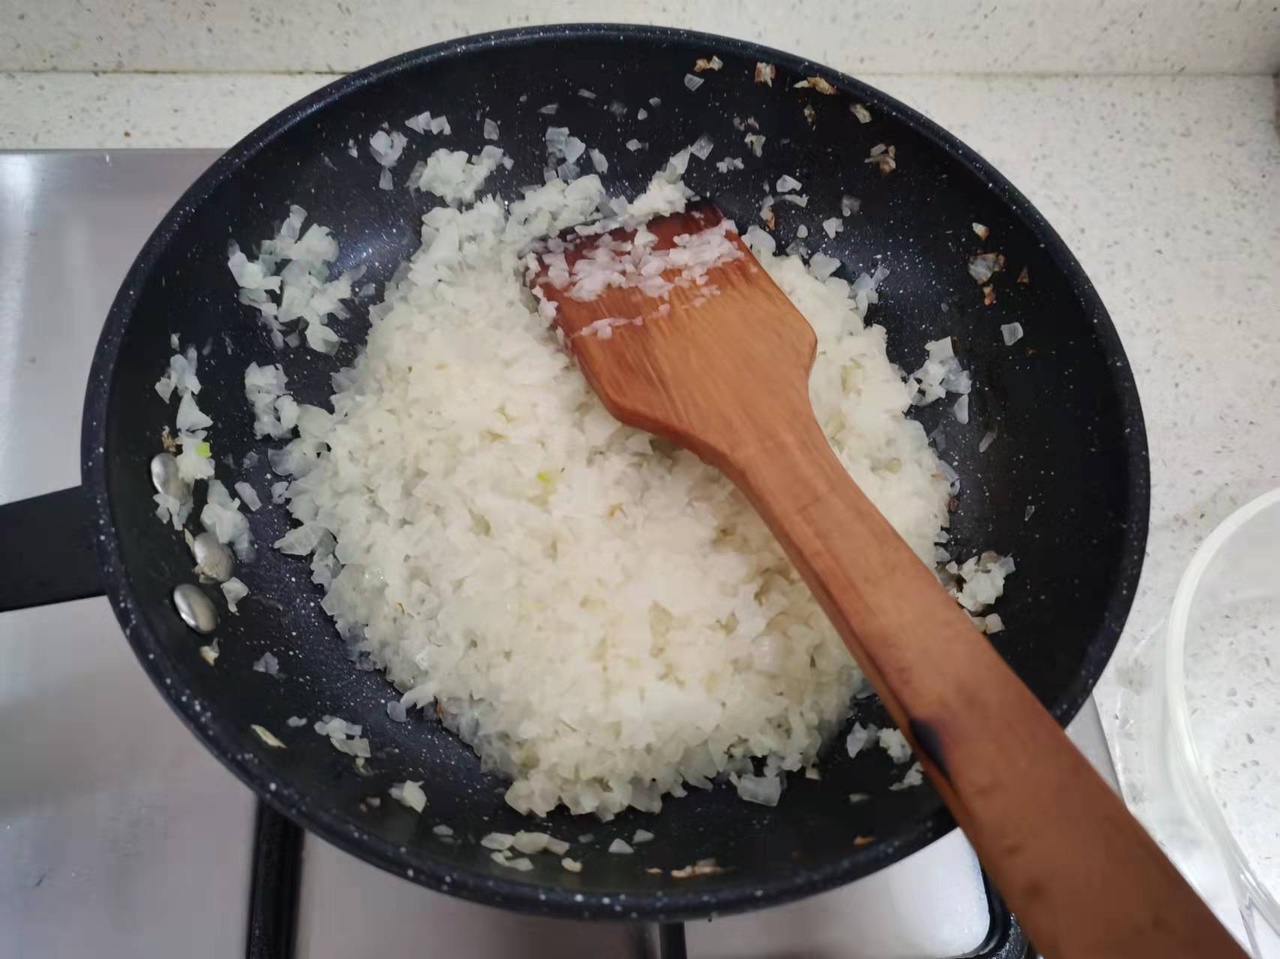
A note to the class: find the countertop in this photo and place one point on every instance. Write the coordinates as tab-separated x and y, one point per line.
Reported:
858	36
1167	188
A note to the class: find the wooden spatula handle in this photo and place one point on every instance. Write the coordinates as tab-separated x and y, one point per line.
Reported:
1082	876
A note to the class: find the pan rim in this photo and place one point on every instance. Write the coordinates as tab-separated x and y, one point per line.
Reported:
342	831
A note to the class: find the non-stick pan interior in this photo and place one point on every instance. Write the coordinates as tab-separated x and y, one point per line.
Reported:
1062	487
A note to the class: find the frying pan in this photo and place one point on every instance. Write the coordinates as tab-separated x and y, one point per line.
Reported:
1064	488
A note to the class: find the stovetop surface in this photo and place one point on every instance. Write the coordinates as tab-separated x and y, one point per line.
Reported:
120	836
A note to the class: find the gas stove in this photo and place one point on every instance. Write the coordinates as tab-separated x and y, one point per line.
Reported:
120	836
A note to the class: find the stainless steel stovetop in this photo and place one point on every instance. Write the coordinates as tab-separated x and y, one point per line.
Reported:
121	837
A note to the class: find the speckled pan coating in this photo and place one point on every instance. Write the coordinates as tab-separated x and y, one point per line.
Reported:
1071	443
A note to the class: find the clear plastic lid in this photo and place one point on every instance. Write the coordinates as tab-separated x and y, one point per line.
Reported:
1222	672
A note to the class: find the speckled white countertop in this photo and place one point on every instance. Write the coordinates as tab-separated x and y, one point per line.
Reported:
1166	187
867	36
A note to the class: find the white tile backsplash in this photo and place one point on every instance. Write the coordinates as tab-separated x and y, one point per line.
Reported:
868	36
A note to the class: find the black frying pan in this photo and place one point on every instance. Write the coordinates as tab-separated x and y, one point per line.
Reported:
1071	444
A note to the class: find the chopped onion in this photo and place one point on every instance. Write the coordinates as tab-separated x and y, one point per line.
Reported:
760	242
895	744
521	864
822	266
815	83
530	842
500	841
983	266
765	790
387	147
190	418
884	157
703	867
410	794
234	591
913	777
950	475
267	736
858	738
249	496
766	211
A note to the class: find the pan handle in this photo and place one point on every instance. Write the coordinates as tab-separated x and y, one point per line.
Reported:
46	551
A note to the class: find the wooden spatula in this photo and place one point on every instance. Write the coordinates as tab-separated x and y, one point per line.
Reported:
720	364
